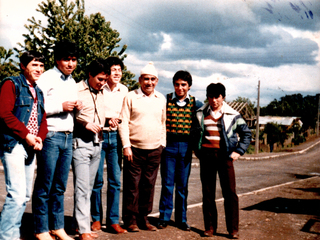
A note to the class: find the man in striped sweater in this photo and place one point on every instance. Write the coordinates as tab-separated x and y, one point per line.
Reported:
224	136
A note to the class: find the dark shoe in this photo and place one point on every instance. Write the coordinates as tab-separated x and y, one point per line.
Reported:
234	235
117	229
209	232
150	227
184	226
133	228
96	226
162	224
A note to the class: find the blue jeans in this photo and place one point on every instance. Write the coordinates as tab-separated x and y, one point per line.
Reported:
86	159
175	169
19	170
111	151
53	164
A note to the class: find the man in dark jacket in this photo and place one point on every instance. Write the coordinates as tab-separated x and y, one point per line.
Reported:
224	137
23	128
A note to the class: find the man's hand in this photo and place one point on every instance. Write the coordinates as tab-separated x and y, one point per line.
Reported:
31	140
113	122
127	153
38	145
68	106
78	105
234	156
93	127
34	141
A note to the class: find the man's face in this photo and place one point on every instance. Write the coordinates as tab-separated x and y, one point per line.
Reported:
216	102
148	83
181	87
33	70
67	65
115	75
97	81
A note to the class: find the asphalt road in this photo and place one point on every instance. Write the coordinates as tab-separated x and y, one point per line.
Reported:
250	176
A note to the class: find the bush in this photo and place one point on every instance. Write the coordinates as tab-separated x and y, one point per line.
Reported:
298	139
250	149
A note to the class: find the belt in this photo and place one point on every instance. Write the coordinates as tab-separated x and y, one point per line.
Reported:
66	132
109	129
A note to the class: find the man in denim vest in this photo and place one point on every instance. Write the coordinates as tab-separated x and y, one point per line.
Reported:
23	129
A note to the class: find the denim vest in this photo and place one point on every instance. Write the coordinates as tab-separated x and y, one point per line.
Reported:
22	110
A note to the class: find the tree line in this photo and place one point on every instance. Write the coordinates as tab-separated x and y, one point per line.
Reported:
66	20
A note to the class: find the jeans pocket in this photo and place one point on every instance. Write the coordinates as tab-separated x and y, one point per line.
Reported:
50	134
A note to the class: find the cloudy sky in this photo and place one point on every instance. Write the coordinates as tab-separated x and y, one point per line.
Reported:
235	42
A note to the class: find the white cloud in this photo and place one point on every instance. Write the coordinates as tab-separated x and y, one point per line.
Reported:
235	42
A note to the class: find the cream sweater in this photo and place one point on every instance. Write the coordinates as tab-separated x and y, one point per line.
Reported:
143	120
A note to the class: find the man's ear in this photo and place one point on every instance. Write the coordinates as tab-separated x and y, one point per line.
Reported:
22	67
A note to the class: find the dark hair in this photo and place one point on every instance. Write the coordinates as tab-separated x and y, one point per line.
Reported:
65	49
110	61
184	75
28	56
97	66
215	89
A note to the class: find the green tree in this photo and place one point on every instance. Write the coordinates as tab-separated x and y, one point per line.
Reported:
8	67
66	20
294	105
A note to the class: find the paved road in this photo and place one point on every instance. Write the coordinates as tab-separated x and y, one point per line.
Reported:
251	176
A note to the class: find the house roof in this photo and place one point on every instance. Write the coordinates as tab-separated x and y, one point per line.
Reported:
286	121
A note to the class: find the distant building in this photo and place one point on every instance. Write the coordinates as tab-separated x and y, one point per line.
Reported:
283	121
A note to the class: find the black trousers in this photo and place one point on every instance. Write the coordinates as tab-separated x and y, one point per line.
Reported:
212	161
139	178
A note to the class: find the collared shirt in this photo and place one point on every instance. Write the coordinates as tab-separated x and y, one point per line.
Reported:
113	99
181	103
93	105
217	114
57	89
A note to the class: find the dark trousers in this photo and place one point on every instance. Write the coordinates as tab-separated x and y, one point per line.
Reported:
212	162
139	178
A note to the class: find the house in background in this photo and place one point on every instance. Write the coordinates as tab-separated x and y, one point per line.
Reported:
246	112
289	122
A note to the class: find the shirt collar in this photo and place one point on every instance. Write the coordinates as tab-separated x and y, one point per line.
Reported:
62	76
187	99
94	91
116	89
141	94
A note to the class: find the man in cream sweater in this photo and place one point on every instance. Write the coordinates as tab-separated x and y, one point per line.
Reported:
143	136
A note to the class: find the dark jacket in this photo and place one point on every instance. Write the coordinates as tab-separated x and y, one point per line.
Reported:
236	135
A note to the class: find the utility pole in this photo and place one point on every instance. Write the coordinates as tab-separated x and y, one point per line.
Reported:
317	130
256	145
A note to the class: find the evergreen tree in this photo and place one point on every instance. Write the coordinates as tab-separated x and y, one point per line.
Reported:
7	66
66	20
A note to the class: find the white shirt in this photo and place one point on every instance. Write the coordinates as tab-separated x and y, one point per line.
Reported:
181	103
58	89
113	100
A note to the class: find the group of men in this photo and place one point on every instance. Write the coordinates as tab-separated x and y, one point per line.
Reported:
83	124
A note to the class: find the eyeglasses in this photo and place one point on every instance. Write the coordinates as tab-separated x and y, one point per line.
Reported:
147	78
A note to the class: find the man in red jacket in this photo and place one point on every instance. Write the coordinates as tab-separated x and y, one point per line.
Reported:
23	128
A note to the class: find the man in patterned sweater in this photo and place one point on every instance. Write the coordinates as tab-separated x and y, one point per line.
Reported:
177	156
224	137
